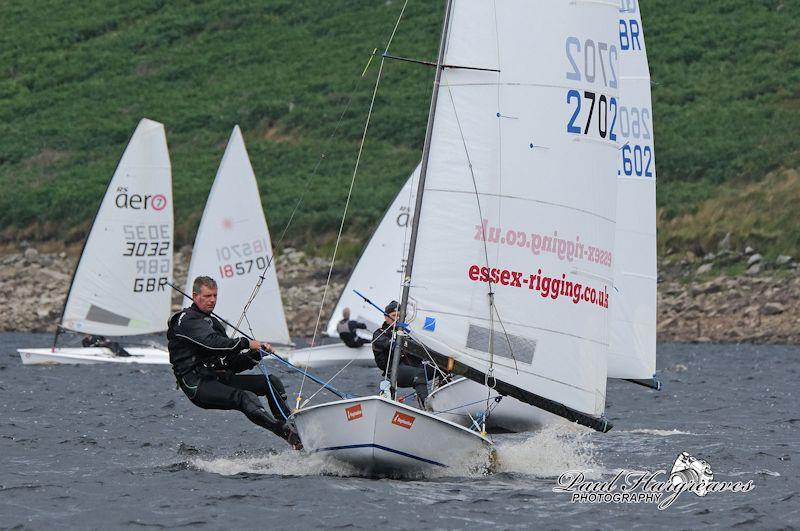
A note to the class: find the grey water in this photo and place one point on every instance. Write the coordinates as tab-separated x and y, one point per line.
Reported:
118	446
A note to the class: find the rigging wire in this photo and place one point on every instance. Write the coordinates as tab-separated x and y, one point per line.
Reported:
306	187
350	193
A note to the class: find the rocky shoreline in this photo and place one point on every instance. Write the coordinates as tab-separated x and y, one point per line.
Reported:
697	300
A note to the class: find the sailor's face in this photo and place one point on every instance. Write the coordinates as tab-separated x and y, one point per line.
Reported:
206	299
391	318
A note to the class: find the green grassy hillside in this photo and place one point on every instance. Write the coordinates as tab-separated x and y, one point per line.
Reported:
75	78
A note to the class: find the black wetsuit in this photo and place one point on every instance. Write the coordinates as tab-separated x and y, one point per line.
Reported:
206	362
347	333
410	372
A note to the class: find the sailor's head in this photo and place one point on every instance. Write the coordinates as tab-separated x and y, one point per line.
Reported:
391	312
346	313
204	293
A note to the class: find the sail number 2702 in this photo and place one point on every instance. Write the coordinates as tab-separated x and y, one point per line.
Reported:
594	63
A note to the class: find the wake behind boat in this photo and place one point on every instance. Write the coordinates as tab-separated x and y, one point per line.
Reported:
120	283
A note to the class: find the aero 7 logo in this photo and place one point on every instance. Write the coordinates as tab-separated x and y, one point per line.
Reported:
353	412
402	420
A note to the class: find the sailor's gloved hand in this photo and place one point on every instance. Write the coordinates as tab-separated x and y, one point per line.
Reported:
263	345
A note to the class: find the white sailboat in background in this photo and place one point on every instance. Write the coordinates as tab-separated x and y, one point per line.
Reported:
120	283
632	355
233	246
632	352
377	275
514	154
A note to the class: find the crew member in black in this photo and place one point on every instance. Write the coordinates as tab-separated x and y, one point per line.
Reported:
102	341
410	372
347	330
206	362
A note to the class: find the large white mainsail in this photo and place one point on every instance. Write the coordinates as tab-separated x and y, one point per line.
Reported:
233	246
633	332
520	190
120	283
378	273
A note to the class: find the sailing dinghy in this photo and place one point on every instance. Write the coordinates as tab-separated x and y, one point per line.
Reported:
517	149
632	352
120	283
233	246
378	275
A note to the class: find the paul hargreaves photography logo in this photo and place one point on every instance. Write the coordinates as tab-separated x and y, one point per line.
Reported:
688	474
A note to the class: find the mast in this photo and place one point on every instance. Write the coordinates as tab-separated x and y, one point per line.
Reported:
426	149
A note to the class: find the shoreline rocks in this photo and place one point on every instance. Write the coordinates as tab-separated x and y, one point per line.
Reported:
752	307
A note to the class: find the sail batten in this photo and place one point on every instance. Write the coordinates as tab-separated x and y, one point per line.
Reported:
234	247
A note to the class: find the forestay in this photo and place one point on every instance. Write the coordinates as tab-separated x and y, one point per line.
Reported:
379	271
538	138
633	314
233	247
120	283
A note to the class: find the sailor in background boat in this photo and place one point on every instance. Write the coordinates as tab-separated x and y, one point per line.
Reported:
410	372
347	330
206	363
102	341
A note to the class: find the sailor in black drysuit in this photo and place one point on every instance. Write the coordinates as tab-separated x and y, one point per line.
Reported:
101	341
410	372
206	363
347	330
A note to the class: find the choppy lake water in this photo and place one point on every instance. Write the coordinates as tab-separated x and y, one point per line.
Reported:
119	446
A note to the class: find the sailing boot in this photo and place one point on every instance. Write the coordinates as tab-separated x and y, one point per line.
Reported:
251	406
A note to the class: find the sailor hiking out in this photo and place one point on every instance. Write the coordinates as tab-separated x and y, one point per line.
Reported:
206	363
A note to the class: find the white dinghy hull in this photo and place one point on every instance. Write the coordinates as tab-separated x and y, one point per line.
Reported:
463	400
380	437
92	356
336	354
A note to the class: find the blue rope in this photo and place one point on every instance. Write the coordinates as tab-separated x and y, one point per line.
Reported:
278	403
308	375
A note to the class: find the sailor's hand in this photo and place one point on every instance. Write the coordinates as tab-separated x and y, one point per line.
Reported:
263	345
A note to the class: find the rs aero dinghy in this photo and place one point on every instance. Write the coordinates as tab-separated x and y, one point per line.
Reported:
119	287
499	147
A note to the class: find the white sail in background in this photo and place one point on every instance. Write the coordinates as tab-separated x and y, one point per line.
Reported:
379	271
633	332
233	247
119	287
536	140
